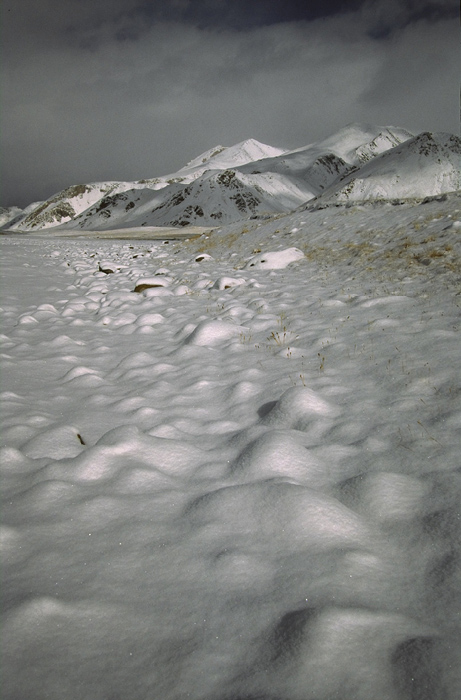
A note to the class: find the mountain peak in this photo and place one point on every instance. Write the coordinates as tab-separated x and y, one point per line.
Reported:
222	157
251	149
358	141
205	157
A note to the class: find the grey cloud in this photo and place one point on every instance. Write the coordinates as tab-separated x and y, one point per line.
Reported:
384	17
244	14
124	98
417	75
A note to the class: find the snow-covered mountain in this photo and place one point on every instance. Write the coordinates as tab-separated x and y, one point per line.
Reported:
426	165
255	180
91	205
213	198
62	207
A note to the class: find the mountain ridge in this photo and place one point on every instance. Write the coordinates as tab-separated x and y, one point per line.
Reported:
256	180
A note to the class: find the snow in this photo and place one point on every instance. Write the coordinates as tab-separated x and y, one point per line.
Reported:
242	482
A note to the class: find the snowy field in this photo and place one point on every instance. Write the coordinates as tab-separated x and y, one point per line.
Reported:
150	233
242	480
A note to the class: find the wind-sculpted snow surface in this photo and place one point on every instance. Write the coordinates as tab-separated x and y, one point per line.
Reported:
224	482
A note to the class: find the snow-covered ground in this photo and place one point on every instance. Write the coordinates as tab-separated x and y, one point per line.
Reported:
241	481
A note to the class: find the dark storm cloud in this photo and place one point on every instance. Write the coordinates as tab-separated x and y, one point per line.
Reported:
385	17
128	89
246	14
414	63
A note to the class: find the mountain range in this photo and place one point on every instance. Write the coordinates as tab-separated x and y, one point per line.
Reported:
359	163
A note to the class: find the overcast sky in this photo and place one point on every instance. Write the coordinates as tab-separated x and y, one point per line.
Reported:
125	89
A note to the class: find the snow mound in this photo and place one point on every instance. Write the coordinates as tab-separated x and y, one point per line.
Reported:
381	646
202	257
144	283
213	333
278	454
60	442
228	283
297	407
309	519
276	260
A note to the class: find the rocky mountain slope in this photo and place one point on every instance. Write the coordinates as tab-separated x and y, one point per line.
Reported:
426	165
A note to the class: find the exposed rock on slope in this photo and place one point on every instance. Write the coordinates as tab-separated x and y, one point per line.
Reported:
63	206
217	197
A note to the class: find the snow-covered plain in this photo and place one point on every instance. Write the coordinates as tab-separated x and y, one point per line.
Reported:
242	480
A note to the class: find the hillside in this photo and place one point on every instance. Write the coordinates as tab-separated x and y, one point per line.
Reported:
426	165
